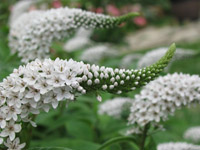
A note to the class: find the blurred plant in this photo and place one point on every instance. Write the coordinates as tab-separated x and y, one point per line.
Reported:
154	55
96	53
21	7
193	134
80	40
114	107
177	146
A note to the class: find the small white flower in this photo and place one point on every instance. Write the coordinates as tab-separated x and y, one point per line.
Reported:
10	130
14	145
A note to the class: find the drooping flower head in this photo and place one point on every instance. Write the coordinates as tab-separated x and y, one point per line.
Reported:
161	97
177	146
42	84
32	38
193	134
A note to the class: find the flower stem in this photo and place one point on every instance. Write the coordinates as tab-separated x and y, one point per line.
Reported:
144	136
117	140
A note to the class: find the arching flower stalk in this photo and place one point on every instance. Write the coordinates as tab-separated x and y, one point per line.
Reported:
193	134
177	146
161	97
32	38
40	85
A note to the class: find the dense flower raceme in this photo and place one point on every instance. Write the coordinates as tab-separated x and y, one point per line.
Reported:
95	53
193	134
154	55
177	146
161	97
31	38
41	85
19	8
80	40
114	107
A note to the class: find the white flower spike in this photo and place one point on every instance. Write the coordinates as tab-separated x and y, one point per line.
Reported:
41	85
32	38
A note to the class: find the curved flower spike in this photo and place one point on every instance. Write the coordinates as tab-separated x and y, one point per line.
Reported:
42	84
32	38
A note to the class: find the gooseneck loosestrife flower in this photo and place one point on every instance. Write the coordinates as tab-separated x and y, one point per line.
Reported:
42	84
32	38
161	97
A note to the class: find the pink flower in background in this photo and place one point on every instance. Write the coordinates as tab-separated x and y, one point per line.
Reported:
140	21
99	10
113	10
56	4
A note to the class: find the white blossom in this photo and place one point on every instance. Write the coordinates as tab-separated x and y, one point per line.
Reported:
96	53
14	145
161	97
177	146
193	134
114	107
32	38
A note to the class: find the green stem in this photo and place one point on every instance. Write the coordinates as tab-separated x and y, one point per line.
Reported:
144	136
116	140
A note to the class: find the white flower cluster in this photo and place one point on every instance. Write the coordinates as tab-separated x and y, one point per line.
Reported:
96	53
114	107
19	8
161	97
177	146
154	55
40	85
193	134
80	40
32	38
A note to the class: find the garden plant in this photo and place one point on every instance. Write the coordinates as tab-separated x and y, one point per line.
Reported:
61	89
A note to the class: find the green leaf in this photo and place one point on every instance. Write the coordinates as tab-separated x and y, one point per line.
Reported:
49	148
80	130
65	142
